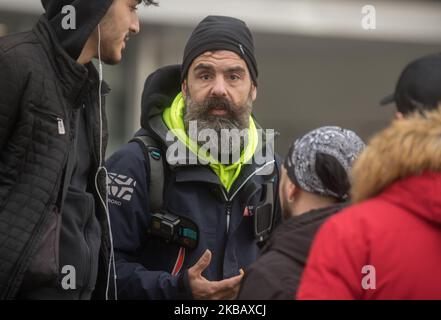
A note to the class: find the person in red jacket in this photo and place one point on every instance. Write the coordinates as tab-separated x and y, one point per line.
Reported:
387	245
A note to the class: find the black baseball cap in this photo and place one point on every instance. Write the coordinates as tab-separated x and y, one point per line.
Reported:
419	86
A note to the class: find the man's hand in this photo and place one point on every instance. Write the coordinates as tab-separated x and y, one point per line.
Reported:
202	289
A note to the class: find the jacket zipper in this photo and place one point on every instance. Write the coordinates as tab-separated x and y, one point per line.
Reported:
243	183
228	212
228	204
104	234
58	119
61	129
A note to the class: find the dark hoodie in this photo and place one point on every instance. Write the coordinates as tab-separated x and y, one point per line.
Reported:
79	234
88	14
275	275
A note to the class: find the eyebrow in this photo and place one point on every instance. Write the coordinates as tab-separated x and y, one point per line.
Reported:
237	69
203	66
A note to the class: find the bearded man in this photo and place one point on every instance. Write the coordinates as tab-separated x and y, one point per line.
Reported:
189	228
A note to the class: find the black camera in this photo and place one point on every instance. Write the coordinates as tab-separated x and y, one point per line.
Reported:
174	229
264	215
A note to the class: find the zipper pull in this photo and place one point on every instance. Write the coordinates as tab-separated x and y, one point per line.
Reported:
61	129
228	212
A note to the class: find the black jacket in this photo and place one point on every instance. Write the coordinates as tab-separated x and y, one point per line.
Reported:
42	126
276	273
224	219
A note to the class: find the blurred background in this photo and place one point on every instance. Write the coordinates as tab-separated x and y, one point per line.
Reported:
317	65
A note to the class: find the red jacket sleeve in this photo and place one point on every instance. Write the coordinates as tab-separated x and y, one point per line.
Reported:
334	267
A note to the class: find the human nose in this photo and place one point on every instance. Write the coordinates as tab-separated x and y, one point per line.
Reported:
219	87
134	26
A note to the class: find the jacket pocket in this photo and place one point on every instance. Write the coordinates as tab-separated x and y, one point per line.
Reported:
80	237
43	269
49	119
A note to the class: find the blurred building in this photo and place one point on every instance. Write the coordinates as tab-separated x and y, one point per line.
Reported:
317	65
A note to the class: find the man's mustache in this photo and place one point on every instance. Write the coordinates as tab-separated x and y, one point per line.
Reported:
213	103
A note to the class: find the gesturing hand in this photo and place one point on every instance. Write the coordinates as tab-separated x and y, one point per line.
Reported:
203	289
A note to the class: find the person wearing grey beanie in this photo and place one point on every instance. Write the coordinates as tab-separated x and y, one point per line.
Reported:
319	162
314	186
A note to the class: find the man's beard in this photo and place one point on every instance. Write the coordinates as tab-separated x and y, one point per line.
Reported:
230	130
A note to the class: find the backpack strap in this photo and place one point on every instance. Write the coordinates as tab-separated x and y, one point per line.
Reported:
154	170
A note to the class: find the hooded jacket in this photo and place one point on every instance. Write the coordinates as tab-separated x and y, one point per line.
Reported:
49	142
387	246
87	16
147	265
275	275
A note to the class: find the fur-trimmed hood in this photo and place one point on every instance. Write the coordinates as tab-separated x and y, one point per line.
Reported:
409	149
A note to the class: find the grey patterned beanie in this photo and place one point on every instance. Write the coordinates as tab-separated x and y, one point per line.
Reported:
344	145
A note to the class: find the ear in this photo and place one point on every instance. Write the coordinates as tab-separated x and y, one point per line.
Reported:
253	92
292	191
398	116
184	89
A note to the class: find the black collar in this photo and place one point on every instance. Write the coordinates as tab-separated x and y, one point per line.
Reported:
71	75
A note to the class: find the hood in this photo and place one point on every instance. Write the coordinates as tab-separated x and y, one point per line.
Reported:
88	15
294	236
160	89
403	163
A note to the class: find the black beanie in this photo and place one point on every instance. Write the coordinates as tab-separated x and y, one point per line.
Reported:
220	33
88	14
